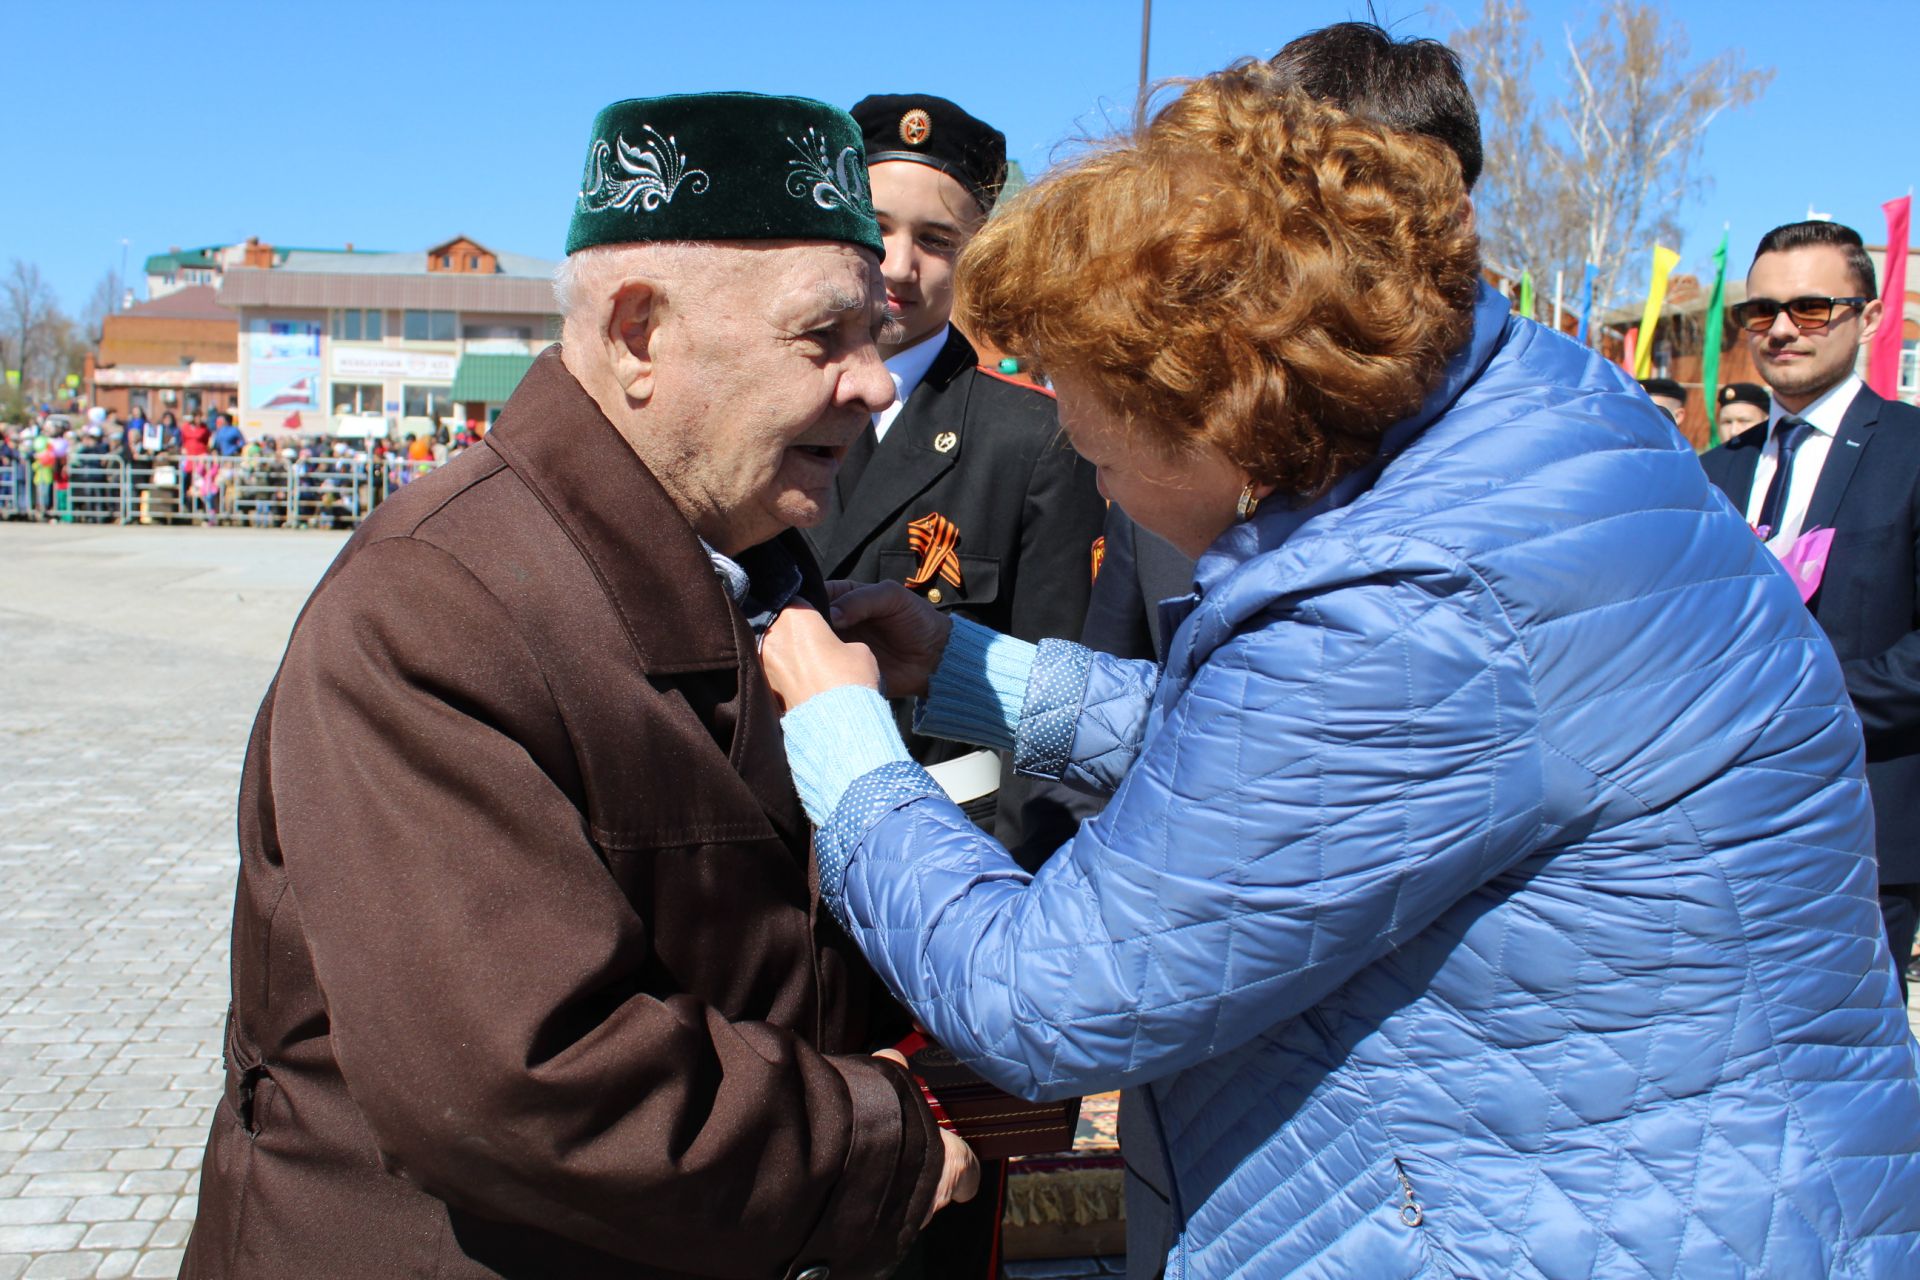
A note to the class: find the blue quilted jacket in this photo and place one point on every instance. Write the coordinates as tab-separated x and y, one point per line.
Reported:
1487	887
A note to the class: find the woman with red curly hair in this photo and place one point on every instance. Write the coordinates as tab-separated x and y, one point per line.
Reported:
1465	905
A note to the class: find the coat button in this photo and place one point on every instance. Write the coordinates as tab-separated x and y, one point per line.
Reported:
933	597
812	1273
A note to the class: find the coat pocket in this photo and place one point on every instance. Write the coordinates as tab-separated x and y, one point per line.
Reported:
979	579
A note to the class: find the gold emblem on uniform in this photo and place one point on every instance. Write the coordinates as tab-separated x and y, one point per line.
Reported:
915	127
945	441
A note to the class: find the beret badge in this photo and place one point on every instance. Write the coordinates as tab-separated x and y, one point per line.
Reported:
916	127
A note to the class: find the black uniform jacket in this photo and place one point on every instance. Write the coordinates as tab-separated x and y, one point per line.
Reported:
986	454
1869	598
530	975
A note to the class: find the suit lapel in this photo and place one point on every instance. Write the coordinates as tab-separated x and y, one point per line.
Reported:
905	462
1852	440
1742	464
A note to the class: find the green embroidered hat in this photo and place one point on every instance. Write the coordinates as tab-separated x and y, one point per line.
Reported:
723	166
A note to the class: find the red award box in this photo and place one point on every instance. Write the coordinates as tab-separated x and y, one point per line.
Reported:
994	1123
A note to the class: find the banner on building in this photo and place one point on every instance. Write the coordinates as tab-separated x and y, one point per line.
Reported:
283	358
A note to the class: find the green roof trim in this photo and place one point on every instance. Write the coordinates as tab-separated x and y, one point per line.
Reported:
487	379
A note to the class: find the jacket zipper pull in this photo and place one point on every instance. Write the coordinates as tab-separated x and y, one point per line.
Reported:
1410	1212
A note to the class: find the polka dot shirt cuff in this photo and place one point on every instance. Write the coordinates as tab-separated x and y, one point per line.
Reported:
1050	712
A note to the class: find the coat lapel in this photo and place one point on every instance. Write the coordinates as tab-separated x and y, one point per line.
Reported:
1742	464
1853	439
904	464
650	563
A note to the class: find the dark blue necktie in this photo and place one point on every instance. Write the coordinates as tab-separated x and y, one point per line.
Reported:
1788	433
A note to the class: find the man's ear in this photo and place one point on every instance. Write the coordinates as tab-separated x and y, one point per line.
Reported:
632	328
1871	317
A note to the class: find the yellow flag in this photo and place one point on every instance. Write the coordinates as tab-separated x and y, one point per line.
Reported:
1664	261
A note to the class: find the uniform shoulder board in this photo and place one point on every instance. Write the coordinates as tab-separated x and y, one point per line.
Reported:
1022	383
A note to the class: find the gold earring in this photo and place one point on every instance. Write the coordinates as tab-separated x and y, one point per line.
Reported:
1248	504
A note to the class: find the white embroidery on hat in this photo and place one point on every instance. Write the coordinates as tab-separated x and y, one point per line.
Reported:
655	172
832	183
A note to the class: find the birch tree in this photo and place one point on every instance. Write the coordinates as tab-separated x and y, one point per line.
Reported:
1596	167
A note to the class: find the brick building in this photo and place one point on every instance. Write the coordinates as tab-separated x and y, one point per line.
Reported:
176	353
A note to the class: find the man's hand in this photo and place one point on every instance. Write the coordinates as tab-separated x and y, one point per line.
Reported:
906	635
960	1174
803	657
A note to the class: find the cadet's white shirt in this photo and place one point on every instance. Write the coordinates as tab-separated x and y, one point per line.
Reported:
1824	416
908	367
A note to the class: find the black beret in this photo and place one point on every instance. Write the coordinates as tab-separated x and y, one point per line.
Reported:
1663	387
932	131
1746	393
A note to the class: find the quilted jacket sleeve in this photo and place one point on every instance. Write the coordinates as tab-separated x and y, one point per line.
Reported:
1336	775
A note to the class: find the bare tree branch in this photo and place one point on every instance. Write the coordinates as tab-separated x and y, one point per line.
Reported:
1605	171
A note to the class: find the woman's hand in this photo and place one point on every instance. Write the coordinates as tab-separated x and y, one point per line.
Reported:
906	635
803	657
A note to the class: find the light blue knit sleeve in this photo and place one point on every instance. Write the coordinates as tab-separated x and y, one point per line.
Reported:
834	738
976	692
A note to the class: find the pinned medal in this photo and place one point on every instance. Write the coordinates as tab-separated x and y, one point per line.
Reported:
945	441
933	538
916	127
1099	555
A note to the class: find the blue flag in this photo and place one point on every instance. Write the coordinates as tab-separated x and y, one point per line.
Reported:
1586	304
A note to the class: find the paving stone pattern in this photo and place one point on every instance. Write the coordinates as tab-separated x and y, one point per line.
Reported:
131	663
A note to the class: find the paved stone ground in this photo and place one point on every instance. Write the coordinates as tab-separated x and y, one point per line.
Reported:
131	663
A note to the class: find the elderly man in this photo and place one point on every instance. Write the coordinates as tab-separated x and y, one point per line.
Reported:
530	976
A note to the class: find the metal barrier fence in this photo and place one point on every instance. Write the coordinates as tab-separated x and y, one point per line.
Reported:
96	488
210	489
16	490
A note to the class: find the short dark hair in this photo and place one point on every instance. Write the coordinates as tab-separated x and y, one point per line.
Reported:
1413	86
1801	235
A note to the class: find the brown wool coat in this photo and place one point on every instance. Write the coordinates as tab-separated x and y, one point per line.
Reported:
530	977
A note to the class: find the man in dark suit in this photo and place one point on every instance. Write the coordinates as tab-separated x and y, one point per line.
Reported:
965	490
1414	86
1833	484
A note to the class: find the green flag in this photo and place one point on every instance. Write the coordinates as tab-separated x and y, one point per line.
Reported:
1710	345
1526	294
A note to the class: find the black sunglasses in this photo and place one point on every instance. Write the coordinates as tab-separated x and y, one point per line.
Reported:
1809	314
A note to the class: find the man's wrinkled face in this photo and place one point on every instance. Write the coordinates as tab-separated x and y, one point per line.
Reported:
1800	365
926	219
768	376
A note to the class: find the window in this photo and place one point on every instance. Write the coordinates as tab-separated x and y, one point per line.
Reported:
357	325
446	260
1909	367
428	326
425	402
476	332
473	262
356	397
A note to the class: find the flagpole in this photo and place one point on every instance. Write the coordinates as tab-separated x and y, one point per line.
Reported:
1146	39
1559	275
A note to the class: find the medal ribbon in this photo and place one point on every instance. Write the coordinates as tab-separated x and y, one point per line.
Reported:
933	538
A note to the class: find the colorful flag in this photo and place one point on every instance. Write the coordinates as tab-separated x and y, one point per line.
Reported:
1710	347
1664	261
1586	304
1526	294
1627	346
1883	353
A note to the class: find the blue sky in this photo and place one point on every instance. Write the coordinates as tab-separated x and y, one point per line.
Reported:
399	124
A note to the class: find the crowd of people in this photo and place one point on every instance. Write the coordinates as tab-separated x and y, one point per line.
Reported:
95	468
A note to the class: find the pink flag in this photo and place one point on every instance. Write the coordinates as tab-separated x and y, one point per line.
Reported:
1627	349
1806	561
1883	353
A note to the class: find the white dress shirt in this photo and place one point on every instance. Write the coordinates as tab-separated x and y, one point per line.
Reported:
908	367
1823	415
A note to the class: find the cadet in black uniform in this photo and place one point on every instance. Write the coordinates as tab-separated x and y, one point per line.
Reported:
966	490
